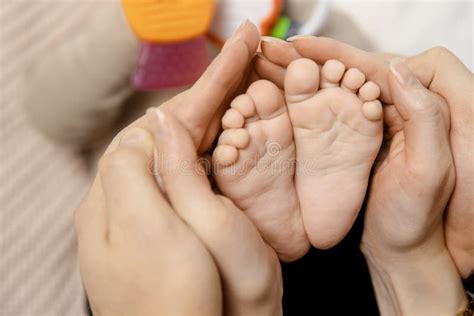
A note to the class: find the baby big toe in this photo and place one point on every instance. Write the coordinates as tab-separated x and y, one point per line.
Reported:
267	98
301	80
331	73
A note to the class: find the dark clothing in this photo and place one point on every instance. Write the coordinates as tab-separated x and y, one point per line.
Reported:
330	282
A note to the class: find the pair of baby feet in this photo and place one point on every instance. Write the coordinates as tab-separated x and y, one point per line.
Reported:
298	162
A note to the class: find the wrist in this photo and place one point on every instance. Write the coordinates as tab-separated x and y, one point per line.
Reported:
420	282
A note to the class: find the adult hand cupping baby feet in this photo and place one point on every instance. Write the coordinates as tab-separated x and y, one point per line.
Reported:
137	256
249	268
437	69
179	251
403	238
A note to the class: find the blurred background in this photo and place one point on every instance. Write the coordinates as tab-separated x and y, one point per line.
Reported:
65	71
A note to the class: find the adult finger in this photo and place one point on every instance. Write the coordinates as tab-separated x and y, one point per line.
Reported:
278	51
269	71
90	219
426	120
202	103
241	255
442	72
182	174
132	197
198	105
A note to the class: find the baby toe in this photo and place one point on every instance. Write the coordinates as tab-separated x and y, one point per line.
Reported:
369	91
331	73
353	79
245	106
238	138
373	110
232	119
224	156
301	80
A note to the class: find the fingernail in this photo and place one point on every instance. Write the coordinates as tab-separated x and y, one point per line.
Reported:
230	41
133	136
235	38
241	26
237	35
403	74
157	120
299	37
269	39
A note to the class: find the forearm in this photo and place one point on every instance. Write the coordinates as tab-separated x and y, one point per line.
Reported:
424	283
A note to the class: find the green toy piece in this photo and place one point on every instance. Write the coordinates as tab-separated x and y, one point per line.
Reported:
282	27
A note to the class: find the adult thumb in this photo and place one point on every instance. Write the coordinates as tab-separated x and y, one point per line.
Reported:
425	115
183	176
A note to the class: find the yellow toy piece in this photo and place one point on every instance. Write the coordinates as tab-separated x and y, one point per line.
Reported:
168	21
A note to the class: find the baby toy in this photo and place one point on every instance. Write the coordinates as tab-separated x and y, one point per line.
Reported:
173	51
94	68
301	17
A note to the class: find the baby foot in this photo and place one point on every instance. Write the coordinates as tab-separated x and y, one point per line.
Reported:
337	126
254	165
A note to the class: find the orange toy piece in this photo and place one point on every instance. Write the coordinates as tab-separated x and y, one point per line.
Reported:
168	21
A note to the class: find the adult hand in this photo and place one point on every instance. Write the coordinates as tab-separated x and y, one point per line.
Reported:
438	70
249	268
136	256
403	238
248	288
141	254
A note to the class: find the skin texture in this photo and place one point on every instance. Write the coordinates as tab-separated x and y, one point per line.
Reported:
198	129
255	156
159	229
249	268
254	166
335	141
130	244
403	238
439	71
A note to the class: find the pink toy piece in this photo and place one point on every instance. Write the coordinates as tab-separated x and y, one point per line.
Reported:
170	65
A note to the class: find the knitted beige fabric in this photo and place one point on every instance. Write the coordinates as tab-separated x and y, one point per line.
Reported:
41	183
